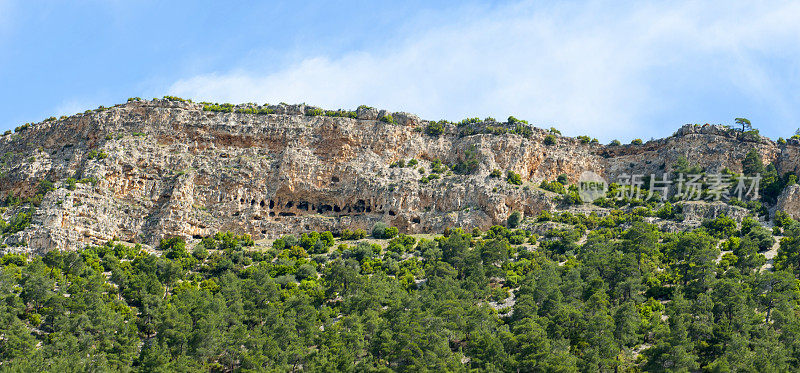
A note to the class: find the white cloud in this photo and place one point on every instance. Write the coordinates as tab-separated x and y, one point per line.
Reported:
585	68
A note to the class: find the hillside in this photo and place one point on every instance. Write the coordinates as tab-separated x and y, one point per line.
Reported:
168	235
145	170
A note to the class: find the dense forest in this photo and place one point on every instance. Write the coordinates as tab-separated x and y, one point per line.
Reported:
611	293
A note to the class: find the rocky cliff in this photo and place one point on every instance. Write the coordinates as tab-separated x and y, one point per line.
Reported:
150	169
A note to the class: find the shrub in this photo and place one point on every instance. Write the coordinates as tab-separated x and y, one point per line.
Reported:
176	99
514	219
200	252
94	154
513	120
19	222
549	140
752	163
721	227
224	108
353	235
615	143
555	131
513	178
666	211
467	121
306	271
636	142
316	112
381	230
438	167
412	162
572	198
553	186
469	164
22	127
495	174
434	128
173	248
45	186
387	119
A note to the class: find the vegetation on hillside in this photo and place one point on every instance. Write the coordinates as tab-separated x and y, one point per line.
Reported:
593	294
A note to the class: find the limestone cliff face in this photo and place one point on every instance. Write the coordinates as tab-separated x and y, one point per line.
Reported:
161	168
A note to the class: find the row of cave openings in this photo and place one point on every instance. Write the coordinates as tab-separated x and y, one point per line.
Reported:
295	208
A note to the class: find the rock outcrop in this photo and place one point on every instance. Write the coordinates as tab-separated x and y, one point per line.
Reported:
789	201
152	169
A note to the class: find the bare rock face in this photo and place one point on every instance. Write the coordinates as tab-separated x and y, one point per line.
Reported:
696	212
789	201
148	170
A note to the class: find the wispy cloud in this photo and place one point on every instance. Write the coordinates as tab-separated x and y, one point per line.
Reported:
584	67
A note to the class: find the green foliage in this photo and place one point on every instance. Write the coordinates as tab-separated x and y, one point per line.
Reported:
434	128
581	302
572	198
495	174
22	128
341	113
513	178
253	110
615	143
550	140
513	120
45	186
438	167
469	163
752	163
682	166
387	119
227	241
721	227
219	108
636	142
382	231
314	112
18	222
94	154
514	219
356	234
553	186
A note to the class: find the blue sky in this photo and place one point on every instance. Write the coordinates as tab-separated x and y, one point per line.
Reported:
585	67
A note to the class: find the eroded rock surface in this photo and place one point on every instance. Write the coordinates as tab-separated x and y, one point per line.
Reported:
161	168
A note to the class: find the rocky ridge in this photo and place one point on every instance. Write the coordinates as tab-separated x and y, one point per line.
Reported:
152	169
